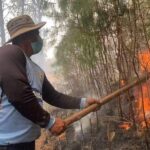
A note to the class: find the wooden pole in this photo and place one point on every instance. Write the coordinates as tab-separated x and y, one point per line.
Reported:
77	116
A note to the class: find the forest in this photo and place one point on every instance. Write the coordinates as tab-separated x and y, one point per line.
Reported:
100	46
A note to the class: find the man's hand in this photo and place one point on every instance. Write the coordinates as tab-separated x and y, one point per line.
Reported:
58	127
91	101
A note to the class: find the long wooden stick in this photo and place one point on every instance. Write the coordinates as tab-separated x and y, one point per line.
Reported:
77	116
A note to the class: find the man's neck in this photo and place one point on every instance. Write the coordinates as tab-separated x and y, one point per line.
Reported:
26	49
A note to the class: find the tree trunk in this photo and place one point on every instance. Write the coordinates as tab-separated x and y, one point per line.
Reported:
37	10
22	6
2	30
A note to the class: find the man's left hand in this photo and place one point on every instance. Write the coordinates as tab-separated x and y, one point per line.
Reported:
91	101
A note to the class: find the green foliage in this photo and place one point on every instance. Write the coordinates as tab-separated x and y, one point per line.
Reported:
79	47
82	7
63	5
103	38
81	42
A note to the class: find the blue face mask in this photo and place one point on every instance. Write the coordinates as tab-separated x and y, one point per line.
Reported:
37	46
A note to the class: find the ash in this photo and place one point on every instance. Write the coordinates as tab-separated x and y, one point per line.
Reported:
100	131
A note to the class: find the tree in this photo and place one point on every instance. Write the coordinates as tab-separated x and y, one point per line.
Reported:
2	29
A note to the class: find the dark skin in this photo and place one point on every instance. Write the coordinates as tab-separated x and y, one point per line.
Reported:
24	42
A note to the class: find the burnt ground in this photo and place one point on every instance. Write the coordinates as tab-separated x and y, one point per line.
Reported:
108	136
97	131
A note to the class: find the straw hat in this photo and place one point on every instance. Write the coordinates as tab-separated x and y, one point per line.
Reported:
20	25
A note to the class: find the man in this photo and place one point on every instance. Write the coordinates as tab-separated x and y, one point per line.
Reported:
23	88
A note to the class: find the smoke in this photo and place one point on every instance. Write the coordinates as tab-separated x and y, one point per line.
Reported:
85	124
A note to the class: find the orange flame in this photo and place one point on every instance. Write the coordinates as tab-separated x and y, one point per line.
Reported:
144	60
126	126
143	98
122	82
142	95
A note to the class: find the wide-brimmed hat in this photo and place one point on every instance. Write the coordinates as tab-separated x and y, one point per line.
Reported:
20	25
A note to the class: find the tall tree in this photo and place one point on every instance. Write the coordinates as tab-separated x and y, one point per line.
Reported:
22	5
2	29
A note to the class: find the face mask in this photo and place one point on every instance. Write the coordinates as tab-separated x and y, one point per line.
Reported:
37	46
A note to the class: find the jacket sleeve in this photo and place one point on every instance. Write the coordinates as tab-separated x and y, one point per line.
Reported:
16	86
55	98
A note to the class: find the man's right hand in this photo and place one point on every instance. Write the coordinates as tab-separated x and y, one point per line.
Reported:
58	127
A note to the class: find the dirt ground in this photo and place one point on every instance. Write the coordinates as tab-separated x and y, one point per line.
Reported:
42	144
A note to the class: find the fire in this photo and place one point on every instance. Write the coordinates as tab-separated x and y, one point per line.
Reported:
126	126
122	82
143	105
143	92
144	60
